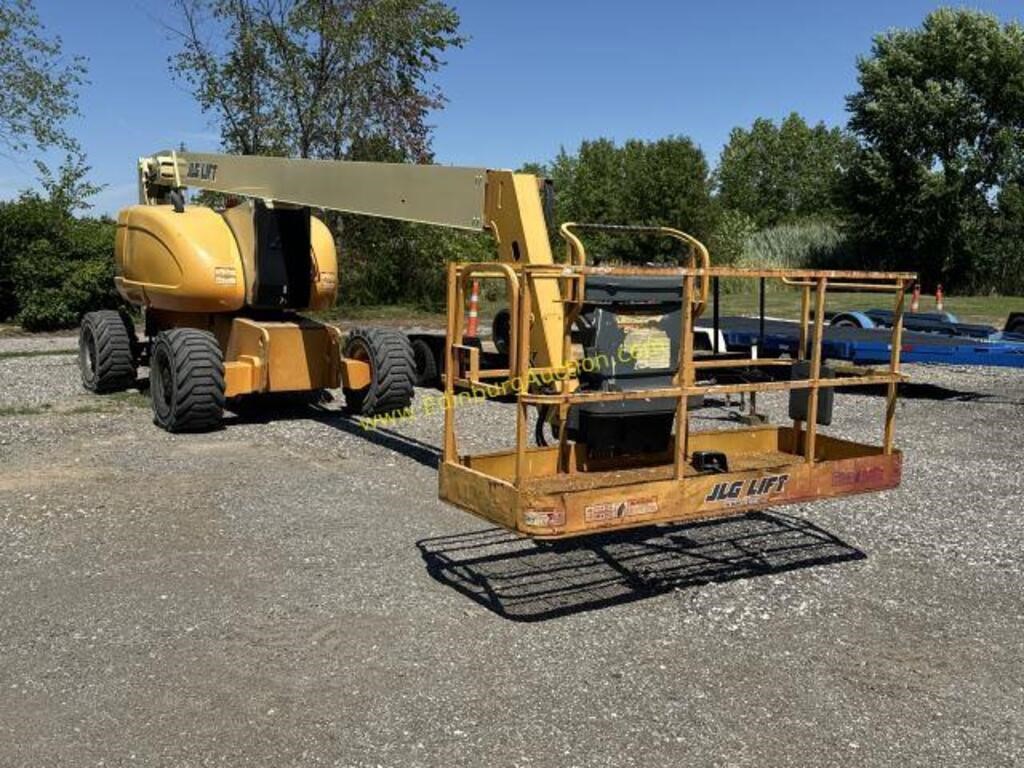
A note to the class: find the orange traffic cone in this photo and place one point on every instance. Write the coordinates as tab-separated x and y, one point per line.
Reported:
915	298
473	322
938	298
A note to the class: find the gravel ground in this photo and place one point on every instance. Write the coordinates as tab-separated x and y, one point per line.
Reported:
290	591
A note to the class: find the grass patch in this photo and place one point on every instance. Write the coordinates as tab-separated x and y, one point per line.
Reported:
109	403
392	314
129	397
88	408
24	410
95	404
38	353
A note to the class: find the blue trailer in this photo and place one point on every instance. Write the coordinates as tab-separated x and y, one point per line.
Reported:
863	338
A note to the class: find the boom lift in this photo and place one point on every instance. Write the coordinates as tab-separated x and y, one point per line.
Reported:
604	354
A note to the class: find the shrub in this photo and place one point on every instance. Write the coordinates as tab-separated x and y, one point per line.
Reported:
54	267
388	262
729	236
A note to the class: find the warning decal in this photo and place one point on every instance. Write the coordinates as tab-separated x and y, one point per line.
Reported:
613	510
648	348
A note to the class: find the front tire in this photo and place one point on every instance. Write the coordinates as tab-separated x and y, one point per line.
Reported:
105	352
392	371
186	380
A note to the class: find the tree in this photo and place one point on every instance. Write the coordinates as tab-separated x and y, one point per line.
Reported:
664	182
38	93
331	79
395	261
58	266
309	78
782	173
939	115
69	189
38	84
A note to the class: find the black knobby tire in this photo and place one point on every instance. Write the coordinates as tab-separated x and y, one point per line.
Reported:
392	371
105	352
426	363
186	380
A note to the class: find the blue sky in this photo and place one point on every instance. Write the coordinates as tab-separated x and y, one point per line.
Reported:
535	76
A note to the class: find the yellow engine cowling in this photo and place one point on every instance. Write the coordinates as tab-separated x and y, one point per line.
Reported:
195	261
182	262
325	266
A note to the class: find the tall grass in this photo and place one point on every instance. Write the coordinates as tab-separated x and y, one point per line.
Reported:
803	245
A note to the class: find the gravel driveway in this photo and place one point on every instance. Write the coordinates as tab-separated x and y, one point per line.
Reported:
289	591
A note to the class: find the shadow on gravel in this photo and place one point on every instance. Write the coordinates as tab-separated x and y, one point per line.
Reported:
522	580
424	453
266	410
913	390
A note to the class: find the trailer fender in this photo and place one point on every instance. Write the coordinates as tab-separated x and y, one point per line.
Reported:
852	319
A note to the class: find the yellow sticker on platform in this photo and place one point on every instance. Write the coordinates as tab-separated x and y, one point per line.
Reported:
647	348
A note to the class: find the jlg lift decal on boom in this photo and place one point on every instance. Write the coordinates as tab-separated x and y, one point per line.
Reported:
202	171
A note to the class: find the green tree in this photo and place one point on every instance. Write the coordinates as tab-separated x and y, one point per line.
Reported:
38	94
60	266
69	189
664	182
1000	245
387	261
782	173
38	83
332	79
308	78
939	114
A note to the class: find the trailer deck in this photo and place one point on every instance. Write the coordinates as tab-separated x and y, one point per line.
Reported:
869	346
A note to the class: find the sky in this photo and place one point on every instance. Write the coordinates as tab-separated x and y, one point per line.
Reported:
534	76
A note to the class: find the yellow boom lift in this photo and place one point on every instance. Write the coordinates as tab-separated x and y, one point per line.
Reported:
604	355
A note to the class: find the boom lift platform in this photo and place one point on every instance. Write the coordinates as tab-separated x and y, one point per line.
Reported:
648	469
604	355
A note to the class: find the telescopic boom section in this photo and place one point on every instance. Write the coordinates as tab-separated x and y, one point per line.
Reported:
506	204
427	194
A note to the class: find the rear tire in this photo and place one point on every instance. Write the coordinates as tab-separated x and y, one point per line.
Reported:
426	363
186	380
105	352
392	371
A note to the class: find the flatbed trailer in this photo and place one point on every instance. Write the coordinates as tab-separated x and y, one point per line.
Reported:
871	346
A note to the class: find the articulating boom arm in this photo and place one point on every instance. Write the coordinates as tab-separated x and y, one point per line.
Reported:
506	204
